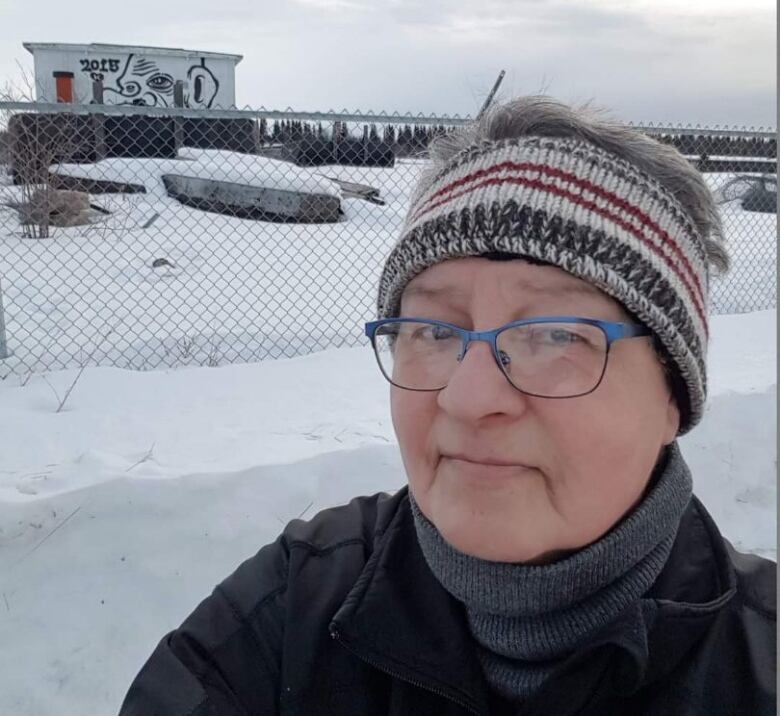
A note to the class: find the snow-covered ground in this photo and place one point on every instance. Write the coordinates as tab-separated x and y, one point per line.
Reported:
119	513
241	289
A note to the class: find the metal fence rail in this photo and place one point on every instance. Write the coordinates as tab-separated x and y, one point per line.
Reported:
145	237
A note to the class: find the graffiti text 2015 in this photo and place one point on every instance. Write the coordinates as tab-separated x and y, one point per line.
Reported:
102	65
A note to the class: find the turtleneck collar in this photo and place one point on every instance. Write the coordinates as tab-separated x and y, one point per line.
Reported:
526	618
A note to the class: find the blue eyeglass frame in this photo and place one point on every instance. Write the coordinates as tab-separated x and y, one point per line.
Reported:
613	331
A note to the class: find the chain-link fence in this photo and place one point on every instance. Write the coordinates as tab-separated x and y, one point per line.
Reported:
141	237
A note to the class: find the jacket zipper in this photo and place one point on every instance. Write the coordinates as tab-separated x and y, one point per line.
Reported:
419	684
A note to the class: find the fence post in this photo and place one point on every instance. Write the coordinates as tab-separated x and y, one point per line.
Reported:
4	353
178	122
99	122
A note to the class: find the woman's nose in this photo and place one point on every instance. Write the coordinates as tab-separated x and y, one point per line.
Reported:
478	386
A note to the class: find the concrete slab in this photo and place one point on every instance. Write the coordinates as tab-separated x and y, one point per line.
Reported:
253	202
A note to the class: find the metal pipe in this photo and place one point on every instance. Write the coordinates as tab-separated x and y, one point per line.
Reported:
492	94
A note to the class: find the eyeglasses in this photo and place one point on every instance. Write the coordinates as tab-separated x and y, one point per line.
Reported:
547	357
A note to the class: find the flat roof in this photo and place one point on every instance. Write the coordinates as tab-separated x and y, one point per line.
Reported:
101	47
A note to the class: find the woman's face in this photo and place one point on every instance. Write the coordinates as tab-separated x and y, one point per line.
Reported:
571	468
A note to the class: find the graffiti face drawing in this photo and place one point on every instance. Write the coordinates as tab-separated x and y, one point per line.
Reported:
142	82
202	86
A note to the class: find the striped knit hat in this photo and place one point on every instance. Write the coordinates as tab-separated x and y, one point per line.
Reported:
568	203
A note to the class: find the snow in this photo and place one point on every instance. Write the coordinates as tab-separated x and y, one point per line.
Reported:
216	164
121	512
235	418
240	290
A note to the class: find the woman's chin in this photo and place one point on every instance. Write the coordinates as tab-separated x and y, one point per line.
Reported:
478	536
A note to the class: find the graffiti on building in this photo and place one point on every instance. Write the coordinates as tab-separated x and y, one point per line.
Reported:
202	86
97	67
141	81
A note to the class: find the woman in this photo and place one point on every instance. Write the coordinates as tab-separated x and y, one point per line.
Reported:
543	323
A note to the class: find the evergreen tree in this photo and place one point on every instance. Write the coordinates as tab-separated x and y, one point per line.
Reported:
419	137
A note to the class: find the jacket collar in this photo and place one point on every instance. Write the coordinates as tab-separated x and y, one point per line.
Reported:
399	618
696	584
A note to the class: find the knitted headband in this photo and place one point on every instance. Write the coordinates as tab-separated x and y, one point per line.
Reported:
571	204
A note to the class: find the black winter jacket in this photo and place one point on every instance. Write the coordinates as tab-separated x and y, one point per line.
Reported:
342	616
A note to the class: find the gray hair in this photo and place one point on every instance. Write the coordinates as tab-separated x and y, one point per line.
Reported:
544	116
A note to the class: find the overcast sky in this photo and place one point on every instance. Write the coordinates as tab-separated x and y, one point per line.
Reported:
670	61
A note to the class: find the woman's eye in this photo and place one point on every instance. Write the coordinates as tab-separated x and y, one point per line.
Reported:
555	337
559	335
442	333
436	333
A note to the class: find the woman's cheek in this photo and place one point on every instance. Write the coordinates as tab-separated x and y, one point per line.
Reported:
412	415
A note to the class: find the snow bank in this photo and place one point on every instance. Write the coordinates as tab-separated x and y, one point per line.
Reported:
217	164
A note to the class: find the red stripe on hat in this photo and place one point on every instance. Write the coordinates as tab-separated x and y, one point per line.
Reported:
577	181
592	206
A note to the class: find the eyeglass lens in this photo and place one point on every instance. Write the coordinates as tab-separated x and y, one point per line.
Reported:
551	359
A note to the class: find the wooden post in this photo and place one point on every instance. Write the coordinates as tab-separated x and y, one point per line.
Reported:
178	122
99	122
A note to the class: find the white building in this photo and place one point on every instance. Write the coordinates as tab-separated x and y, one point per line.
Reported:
133	75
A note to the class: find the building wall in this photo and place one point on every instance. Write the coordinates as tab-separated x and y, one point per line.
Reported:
137	76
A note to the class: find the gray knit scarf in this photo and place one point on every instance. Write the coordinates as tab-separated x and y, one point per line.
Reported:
527	618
